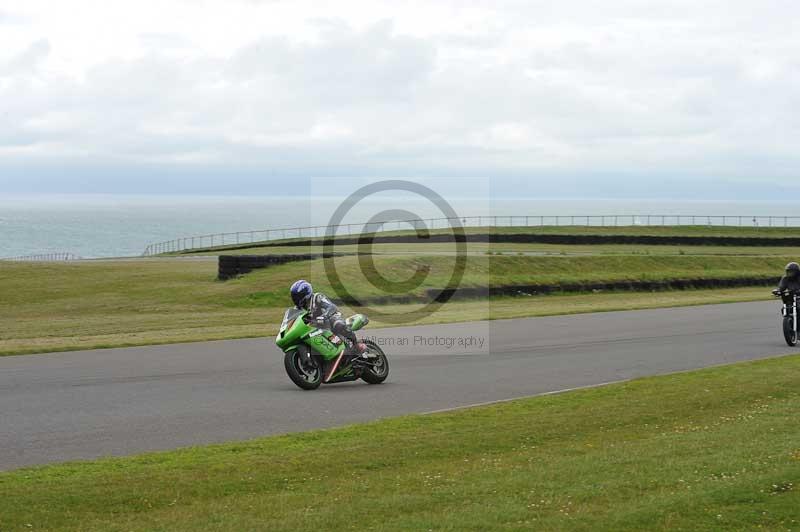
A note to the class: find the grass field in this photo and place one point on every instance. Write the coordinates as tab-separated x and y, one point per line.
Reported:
717	449
90	304
506	270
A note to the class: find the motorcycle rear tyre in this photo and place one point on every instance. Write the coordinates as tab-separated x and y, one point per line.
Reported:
371	377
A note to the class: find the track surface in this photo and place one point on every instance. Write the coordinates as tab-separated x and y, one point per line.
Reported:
86	404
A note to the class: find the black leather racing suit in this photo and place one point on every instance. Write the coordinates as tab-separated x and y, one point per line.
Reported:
792	284
789	283
320	307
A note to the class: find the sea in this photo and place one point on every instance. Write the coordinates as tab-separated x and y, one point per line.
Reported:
107	225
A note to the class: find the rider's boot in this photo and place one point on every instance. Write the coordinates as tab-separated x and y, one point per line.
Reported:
357	348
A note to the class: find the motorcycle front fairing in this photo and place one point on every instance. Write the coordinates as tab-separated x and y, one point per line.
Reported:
293	328
294	331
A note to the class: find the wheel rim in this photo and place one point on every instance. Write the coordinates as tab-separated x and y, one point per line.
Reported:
379	366
309	373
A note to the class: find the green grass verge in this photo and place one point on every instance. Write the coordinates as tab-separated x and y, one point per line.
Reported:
504	270
716	449
65	306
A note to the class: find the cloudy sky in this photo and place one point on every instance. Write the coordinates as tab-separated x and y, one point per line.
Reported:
615	98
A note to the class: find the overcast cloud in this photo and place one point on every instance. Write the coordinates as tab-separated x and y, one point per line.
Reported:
626	96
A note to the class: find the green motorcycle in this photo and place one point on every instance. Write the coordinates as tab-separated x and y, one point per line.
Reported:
313	356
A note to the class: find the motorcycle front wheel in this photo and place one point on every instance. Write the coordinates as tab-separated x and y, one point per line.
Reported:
788	331
304	370
377	372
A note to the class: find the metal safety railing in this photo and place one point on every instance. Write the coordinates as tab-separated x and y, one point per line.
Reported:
43	257
267	235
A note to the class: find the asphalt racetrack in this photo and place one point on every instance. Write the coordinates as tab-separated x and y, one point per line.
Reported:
88	404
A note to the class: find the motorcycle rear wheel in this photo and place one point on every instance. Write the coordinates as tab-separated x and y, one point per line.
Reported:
305	373
376	374
788	331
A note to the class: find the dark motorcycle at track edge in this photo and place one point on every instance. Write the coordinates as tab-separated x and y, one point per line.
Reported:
789	313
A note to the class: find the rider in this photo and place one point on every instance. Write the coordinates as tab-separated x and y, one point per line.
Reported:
790	281
325	313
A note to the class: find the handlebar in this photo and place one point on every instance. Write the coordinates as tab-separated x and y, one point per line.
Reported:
779	293
317	322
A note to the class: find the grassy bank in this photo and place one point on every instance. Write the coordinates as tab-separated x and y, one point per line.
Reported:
99	304
576	230
62	306
651	454
507	270
514	248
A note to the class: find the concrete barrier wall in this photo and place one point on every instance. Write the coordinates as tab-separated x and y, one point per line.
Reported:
230	266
